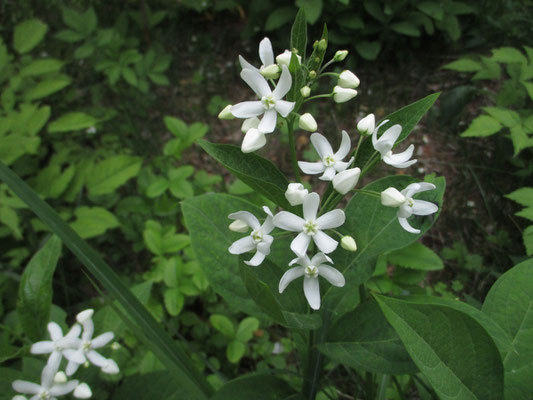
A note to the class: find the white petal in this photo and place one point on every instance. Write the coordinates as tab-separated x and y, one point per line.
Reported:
268	122
311	168
404	155
284	84
320	258
72	367
61	390
415	188
268	225
289	276
102	340
288	221
421	207
76	356
25	387
84	315
54	360
257	82
405	225
96	358
253	140
74	332
246	64
19	397
284	107
341	165
332	275
266	54
324	242
303	261
300	244
405	211
329	174
264	246
312	292
47	376
321	145
391	197
242	245
110	367
331	219
55	331
43	347
392	134
250	123
310	205
83	391
390	160
256	260
247	217
248	109
344	148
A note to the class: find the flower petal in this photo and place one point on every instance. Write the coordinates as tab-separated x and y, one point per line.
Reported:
266	54
303	261
102	340
344	148
389	159
341	165
320	258
44	347
268	122
311	168
242	245
324	242
72	367
96	358
332	275
331	219
328	175
257	83
300	244
264	246
63	389
321	145
312	292
310	205
55	331
405	225
76	356
54	360
415	188
422	207
404	155
392	134
288	221
289	276
246	64
47	376
256	260
284	84
83	391
25	387
111	367
248	109
284	107
74	332
247	217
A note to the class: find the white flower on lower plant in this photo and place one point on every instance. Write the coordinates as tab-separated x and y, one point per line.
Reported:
311	270
408	206
385	143
270	103
268	69
58	344
342	95
258	240
295	193
86	351
367	125
310	227
226	113
346	180
330	163
48	389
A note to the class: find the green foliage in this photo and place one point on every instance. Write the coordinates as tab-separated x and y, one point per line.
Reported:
524	197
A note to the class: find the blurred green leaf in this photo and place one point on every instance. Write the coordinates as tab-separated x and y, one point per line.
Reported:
93	221
113	172
28	34
416	256
72	121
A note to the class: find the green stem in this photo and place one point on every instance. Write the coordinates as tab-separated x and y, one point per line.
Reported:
325	66
382	388
398	388
368	192
292	145
334	74
313	371
356	151
318	96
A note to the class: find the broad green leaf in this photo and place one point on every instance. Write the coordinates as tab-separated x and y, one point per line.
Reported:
46	88
313	9
279	17
157	187
431	8
28	34
51	181
449	347
223	324
235	351
451	25
174	301
72	121
510	304
41	67
368	50
363	339
37	120
14	146
406	28
113	172
508	55
506	117
527	237
529	89
257	172
464	65
151	386
520	139
176	126
483	125
69	36
10	218
93	221
246	329
35	290
416	256
254	386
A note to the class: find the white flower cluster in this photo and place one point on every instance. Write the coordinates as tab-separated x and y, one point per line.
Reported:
77	351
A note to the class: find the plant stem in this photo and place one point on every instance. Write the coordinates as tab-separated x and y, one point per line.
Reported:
398	387
313	371
292	145
361	138
318	96
368	192
382	388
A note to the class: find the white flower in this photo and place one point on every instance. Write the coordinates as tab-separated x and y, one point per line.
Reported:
307	123
226	113
238	226
385	143
310	270
367	125
409	206
340	55
269	69
331	163
253	140
285	58
86	350
58	344
295	193
310	226
82	391
346	180
259	240
348	80
270	103
342	95
47	390
250	123
348	243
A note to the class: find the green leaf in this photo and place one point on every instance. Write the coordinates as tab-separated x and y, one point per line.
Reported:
451	25
157	187
10	218
464	65
223	324
14	146
46	88
246	329
510	304
433	9
113	172
312	8
299	30
520	139
35	290
450	348
529	89
406	28
41	67
363	339
28	34
508	55
506	117
69	36
72	121
254	386
93	221
150	386
174	301
416	256
368	50
279	17
51	181
523	196
235	351
483	125
527	237
257	172
526	213
129	76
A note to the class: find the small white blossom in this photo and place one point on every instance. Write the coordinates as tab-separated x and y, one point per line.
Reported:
295	193
342	95
285	58
331	163
407	205
346	180
48	389
268	69
367	125
250	123
310	226
348	243
386	142
226	113
307	123
348	80
58	344
258	240
253	140
311	270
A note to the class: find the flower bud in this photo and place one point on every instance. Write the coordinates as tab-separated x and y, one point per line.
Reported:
270	72
340	55
391	197
347	79
238	226
348	243
115	346
83	391
312	74
60	377
285	58
315	44
307	123
305	91
253	140
295	193
367	125
250	123
226	113
322	45
346	180
342	95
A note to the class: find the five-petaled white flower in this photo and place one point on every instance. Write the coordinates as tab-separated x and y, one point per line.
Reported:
86	350
385	143
310	226
48	389
270	103
408	206
269	69
58	344
311	269
259	240
330	162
